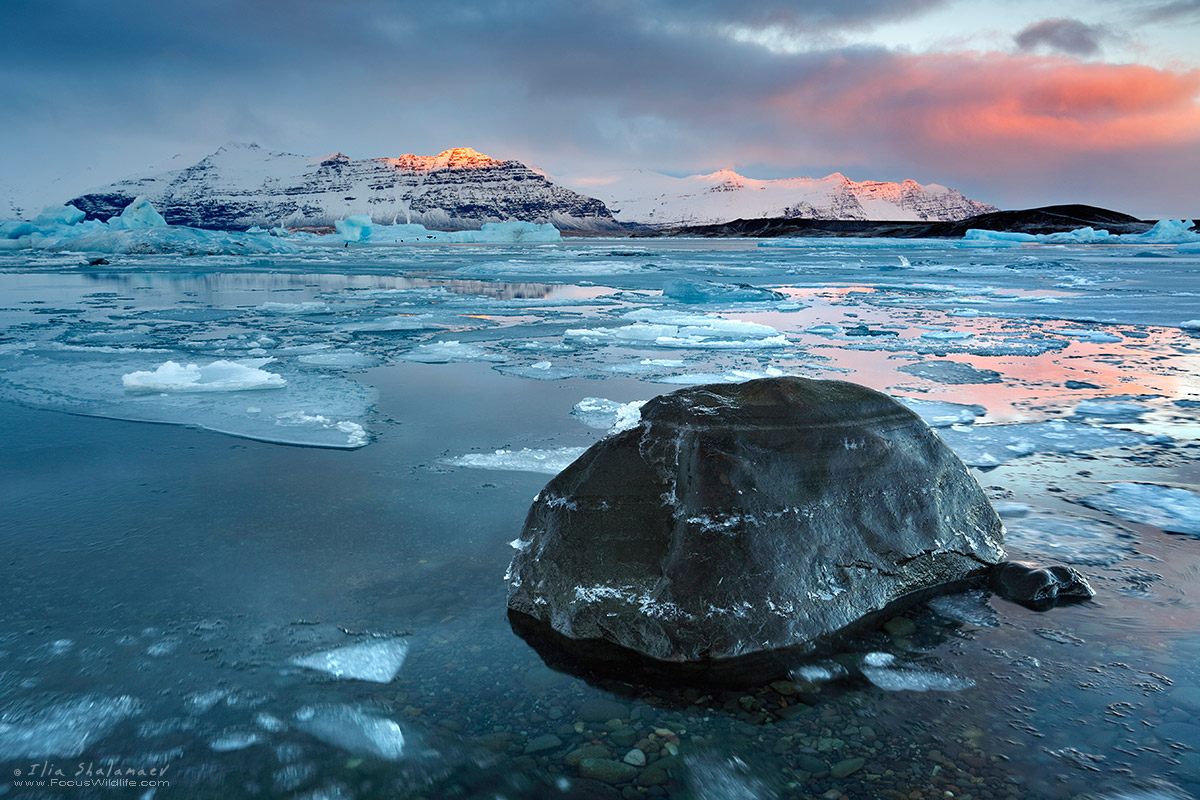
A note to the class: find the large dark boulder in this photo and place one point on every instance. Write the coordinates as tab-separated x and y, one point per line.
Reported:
738	519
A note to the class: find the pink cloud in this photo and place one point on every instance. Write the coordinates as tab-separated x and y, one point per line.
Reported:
1001	105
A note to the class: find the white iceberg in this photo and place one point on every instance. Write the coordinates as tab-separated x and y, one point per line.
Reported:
360	229
1166	231
219	376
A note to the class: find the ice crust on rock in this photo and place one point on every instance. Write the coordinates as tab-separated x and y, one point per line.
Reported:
970	607
1170	508
992	445
63	729
378	662
219	376
353	730
551	462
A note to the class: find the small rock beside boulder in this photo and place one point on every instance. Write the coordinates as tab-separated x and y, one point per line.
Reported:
1037	587
744	518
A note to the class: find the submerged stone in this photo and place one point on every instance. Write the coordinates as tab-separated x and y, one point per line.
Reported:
746	518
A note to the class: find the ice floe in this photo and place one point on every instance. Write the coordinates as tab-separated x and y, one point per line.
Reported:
942	414
951	372
449	351
1069	538
1167	507
219	376
61	729
658	328
378	662
992	445
683	290
352	730
360	229
551	462
1111	410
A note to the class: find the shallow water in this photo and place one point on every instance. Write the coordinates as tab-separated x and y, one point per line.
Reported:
160	579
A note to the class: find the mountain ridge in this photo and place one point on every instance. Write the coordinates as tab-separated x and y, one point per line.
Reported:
241	186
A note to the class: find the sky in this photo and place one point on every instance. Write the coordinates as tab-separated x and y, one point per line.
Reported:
1020	104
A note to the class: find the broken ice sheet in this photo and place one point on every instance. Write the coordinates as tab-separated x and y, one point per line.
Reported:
1167	507
1069	538
446	352
551	461
353	730
62	729
378	662
992	445
942	414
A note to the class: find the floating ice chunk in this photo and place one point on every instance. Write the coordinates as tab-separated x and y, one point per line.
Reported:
951	372
730	778
610	415
353	730
688	291
305	308
551	461
941	414
234	740
1167	507
219	376
1190	325
946	334
1011	510
369	661
398	323
818	673
732	376
446	352
269	722
645	365
356	434
992	445
1097	337
881	670
658	328
1113	410
1069	538
338	359
542	371
63	729
201	702
971	608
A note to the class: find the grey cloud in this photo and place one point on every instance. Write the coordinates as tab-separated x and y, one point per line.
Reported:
1065	35
1183	10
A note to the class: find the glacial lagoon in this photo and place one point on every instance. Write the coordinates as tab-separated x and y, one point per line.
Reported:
276	568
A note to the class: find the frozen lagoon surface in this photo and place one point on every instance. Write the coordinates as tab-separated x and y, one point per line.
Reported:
261	619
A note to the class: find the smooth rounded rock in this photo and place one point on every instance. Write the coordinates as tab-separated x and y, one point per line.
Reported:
744	518
606	770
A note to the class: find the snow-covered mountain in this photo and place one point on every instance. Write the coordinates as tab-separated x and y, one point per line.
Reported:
651	198
240	186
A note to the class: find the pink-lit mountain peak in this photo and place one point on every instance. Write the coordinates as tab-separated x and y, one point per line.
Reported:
454	158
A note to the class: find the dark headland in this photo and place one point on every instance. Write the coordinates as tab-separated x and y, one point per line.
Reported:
1047	219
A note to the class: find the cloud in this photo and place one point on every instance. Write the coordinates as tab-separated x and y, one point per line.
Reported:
1064	35
579	87
1183	10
